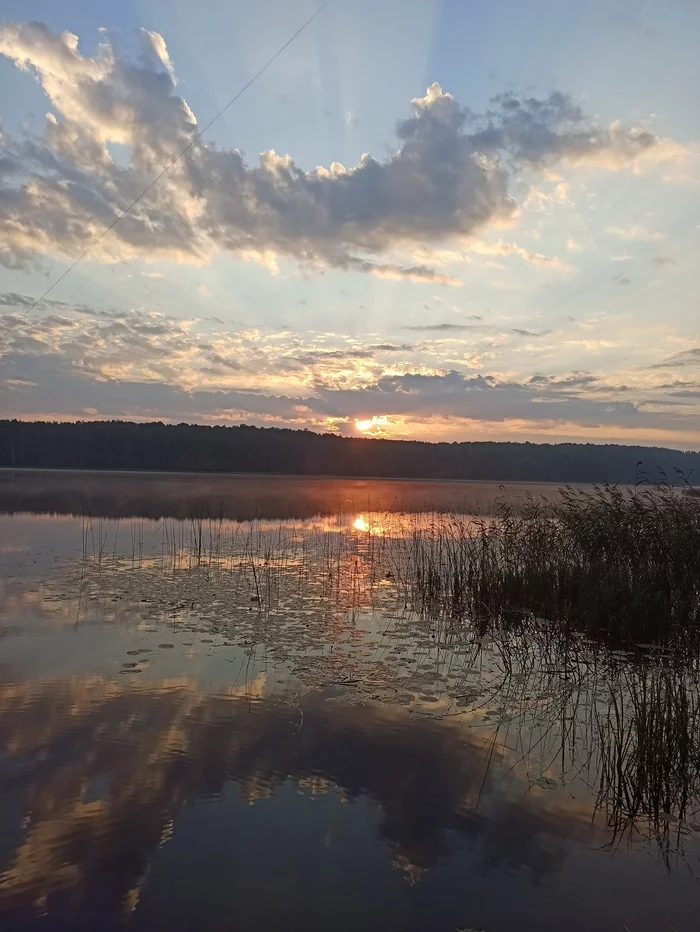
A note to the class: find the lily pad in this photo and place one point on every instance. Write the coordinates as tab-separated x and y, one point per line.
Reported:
667	817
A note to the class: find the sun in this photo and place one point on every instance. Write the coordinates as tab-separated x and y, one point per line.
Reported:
372	425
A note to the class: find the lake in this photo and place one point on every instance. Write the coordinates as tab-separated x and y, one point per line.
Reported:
221	707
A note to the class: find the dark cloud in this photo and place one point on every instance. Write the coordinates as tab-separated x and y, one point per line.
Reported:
621	280
680	384
448	177
573	381
224	362
313	356
663	261
391	347
689	357
541	131
443	328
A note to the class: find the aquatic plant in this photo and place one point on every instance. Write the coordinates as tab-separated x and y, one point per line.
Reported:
622	565
514	618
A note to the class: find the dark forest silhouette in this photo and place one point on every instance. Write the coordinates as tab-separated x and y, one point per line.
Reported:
123	445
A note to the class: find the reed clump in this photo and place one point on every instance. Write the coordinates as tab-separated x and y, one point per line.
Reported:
618	564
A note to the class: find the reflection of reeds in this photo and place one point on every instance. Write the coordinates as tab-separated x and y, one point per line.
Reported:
648	744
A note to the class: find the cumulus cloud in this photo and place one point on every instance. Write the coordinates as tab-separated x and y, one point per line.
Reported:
542	132
448	177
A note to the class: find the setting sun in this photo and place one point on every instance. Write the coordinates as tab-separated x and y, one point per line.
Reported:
372	425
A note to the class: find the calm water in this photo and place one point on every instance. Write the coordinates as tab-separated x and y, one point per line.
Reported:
241	724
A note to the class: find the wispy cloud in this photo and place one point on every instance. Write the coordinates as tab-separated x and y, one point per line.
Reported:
636	232
443	328
690	357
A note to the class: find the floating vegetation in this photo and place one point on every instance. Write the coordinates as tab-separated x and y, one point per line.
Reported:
568	630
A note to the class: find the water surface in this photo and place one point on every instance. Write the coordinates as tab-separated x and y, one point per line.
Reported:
219	710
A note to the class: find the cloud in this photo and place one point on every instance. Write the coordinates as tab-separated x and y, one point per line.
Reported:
690	357
391	347
540	200
150	345
576	380
530	333
50	378
542	132
443	328
13	299
663	261
502	248
414	273
448	177
151	365
155	50
635	232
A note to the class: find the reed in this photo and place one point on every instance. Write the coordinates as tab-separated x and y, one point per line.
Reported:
615	564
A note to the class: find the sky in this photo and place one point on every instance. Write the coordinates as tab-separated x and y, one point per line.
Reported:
427	219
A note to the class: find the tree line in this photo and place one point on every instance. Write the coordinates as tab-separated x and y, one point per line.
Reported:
123	445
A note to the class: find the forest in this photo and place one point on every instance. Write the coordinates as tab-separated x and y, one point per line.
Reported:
123	445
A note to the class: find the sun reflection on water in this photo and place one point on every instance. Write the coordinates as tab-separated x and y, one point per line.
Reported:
368	526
